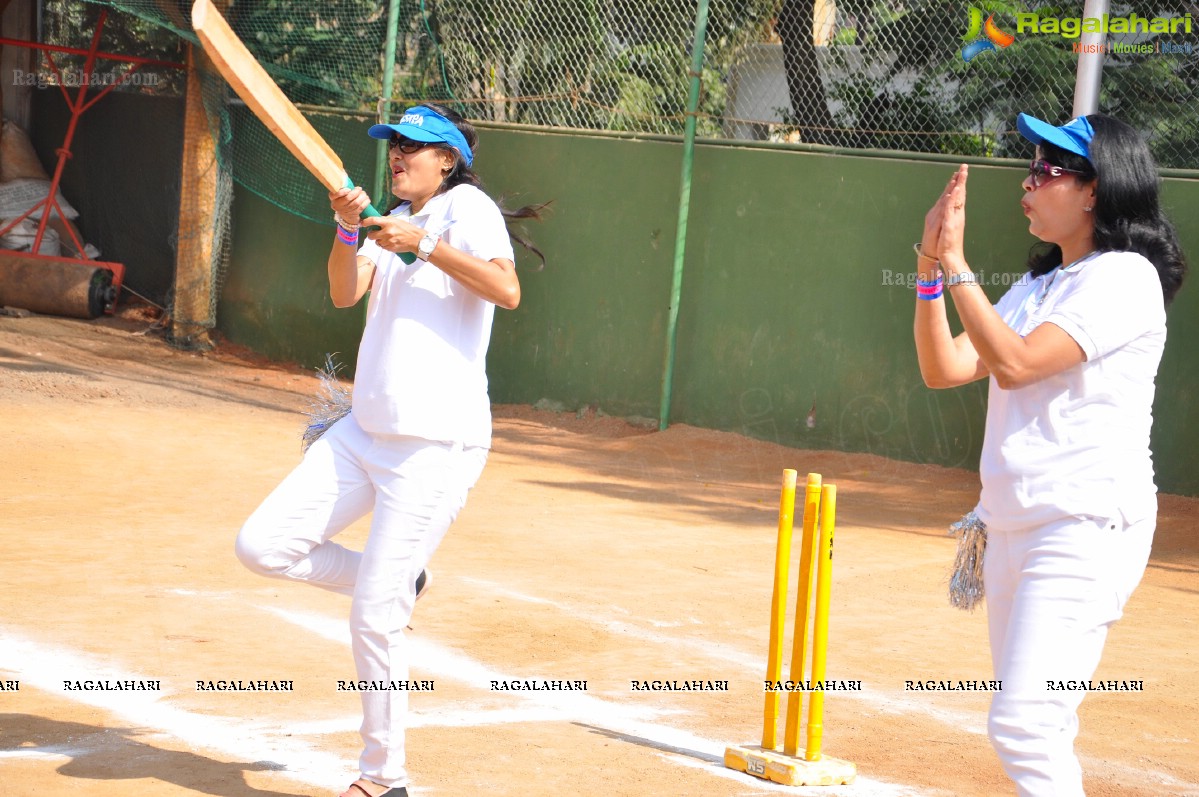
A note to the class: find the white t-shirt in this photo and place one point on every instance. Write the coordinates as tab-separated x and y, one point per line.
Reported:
422	360
1077	443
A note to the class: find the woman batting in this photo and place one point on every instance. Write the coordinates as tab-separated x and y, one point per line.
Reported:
419	431
1068	496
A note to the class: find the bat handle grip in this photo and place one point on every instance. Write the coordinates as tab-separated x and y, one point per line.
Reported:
370	209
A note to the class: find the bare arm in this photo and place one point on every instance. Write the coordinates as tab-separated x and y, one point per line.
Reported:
493	280
945	361
349	275
1015	361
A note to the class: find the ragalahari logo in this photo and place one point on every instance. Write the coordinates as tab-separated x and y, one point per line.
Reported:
983	36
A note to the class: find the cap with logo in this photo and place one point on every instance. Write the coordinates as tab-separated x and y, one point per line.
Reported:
1074	136
424	124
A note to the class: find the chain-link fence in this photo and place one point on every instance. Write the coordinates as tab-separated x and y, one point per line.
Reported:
935	76
922	76
912	75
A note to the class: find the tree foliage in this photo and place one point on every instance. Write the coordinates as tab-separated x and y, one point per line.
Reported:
892	76
606	64
916	92
327	53
69	23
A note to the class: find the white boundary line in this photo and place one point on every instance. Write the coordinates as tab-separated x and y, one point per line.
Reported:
54	752
967	721
45	667
622	720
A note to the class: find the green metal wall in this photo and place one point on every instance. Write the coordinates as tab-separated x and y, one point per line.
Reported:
276	293
784	304
275	297
591	326
1175	440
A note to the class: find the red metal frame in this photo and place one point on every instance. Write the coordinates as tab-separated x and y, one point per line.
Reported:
77	105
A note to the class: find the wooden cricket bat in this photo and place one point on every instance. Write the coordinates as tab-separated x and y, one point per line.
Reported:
267	100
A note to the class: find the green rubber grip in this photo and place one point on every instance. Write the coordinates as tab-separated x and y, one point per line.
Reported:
370	209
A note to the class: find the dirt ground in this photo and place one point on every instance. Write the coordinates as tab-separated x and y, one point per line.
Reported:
591	550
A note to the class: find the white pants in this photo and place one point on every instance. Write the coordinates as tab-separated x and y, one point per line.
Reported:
414	488
1052	593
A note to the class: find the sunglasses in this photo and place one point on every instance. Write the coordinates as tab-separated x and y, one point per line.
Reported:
406	145
1043	172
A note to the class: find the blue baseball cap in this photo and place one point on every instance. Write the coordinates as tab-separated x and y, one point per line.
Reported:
1074	136
424	124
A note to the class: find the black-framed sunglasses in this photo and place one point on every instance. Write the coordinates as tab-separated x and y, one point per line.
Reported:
406	145
1042	172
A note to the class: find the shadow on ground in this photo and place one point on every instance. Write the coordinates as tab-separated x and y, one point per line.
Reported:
98	753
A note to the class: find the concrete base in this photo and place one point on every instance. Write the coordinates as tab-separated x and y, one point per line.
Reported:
789	770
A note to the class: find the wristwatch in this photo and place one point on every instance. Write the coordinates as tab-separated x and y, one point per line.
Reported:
424	250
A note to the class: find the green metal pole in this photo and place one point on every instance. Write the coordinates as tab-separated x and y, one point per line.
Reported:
382	184
680	241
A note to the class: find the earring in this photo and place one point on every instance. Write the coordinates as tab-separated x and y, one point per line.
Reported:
1087	209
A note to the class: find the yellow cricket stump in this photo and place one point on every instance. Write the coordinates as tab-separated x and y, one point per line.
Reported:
778	606
803	599
795	766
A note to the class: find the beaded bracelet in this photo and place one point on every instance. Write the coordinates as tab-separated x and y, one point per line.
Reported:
345	225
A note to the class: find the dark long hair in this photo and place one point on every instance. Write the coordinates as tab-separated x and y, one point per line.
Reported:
462	174
1128	215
